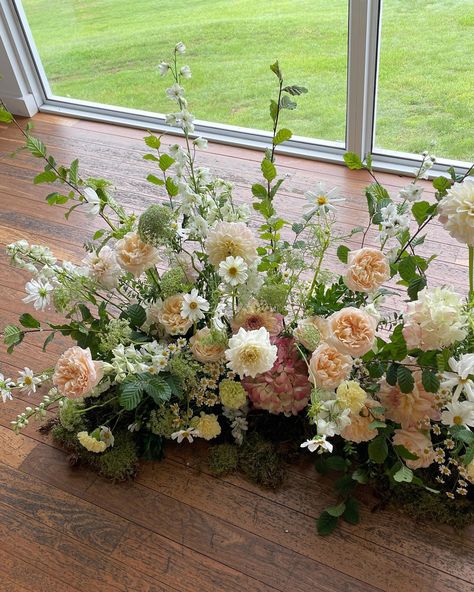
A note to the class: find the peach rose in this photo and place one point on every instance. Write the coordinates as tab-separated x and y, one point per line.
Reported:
358	430
329	367
417	442
170	316
76	373
203	349
408	409
252	318
311	331
134	255
352	331
367	270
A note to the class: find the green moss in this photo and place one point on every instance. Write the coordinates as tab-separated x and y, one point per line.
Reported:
69	417
260	462
223	459
173	281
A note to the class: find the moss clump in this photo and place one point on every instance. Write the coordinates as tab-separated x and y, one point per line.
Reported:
260	462
161	422
69	415
275	296
154	225
223	459
173	281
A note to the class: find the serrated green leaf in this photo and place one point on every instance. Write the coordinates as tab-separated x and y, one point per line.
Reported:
259	191
378	450
5	116
407	268
98	234
48	340
130	394
36	147
151	157
273	110
153	179
26	320
45	177
326	524
152	141
430	381
135	314
171	187
342	253
353	161
287	103
403	475
351	512
158	389
295	90
165	162
281	136
416	285
442	184
275	68
405	379
268	169
73	172
462	434
419	211
12	336
336	510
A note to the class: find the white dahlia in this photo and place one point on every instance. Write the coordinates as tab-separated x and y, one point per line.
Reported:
456	211
251	352
231	239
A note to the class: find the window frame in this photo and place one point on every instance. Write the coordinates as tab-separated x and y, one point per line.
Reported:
364	24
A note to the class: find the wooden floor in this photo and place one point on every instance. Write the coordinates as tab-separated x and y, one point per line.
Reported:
177	528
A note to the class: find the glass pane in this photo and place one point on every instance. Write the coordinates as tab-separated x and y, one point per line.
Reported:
426	82
106	51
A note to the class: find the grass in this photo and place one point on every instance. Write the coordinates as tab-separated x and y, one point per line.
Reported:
106	51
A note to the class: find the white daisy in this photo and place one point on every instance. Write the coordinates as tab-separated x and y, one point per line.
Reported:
28	381
194	306
188	435
319	444
6	384
322	200
459	413
233	270
38	291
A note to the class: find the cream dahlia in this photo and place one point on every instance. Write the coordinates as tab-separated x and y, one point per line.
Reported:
233	239
254	317
102	267
456	211
285	388
251	352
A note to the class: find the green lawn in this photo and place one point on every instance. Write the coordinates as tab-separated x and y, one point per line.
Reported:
106	51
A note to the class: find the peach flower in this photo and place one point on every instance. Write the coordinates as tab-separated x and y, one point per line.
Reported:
417	442
367	270
329	367
134	255
231	239
358	430
170	317
352	331
311	331
205	350
76	373
252	318
408	409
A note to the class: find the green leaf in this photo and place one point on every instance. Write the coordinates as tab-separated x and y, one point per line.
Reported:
335	463
351	513
268	169
373	425
287	103
45	177
344	485
5	116
281	136
259	191
155	180
73	170
295	90
407	268
151	157
275	68
98	234
175	385
12	336
398	345
391	374
419	211
336	510
135	314
378	450
416	285
29	321
342	253
360	476
158	389
403	475
404	452
326	523
130	394
171	187
442	184
56	198
430	381
273	110
469	456
405	379
353	161
165	162
48	340
36	147
152	141
462	434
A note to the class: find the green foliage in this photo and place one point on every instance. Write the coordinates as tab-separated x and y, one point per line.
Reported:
353	161
378	449
12	336
5	116
28	321
405	379
326	524
268	169
281	136
154	225
342	253
135	314
223	459
132	390
173	281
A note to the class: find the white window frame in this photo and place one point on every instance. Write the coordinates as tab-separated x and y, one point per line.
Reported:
363	48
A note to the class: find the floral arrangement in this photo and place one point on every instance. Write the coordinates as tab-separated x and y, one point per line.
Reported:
191	322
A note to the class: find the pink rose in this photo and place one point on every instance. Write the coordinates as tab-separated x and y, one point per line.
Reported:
76	373
352	331
367	270
417	442
329	367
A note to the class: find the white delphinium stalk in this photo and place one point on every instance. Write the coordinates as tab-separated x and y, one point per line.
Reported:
411	192
393	222
180	47
175	92
163	68
200	143
185	72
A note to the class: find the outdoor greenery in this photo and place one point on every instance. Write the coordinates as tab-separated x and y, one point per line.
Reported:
102	51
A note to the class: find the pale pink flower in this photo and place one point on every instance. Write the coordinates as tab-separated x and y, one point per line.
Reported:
171	318
418	443
352	331
134	255
329	367
76	373
204	349
367	270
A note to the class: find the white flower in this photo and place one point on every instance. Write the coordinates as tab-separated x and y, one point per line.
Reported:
251	352
28	381
39	292
92	202
103	267
171	119
318	443
185	72
6	384
200	143
106	436
456	211
459	413
322	200
180	47
188	435
393	221
187	120
219	313
411	192
459	378
194	306
163	68
233	270
175	92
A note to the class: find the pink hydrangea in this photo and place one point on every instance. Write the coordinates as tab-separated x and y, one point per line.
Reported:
286	387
